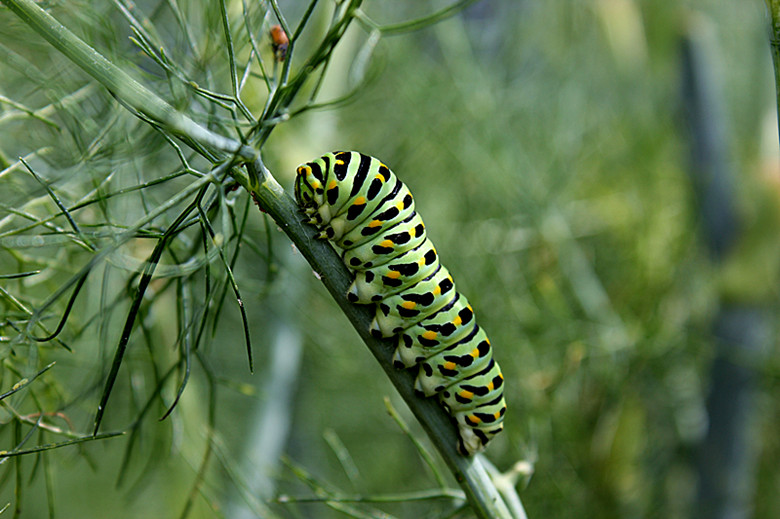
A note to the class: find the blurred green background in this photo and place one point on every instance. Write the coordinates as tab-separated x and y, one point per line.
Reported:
547	149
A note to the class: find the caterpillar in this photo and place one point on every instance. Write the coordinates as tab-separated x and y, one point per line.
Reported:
368	213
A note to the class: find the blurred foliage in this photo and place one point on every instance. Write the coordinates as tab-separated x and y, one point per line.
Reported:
545	148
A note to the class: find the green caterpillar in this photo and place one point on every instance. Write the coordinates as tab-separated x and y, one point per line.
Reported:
358	204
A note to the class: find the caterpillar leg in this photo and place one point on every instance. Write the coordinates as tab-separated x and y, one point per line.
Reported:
477	406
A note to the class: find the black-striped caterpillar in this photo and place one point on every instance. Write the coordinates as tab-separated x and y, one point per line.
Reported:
358	204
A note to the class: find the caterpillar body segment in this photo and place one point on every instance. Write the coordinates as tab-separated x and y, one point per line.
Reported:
399	311
391	243
460	360
479	416
382	281
438	331
392	213
357	203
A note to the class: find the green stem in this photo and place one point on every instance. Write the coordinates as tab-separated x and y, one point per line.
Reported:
118	82
774	44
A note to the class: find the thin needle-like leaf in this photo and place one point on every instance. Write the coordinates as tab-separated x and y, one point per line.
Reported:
146	277
419	23
185	302
234	286
231	52
25	382
344	457
201	474
20	274
421	450
50	446
65	314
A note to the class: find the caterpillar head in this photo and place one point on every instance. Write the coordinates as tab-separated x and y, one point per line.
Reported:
309	184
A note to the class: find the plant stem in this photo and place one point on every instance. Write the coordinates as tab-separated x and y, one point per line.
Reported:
774	45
